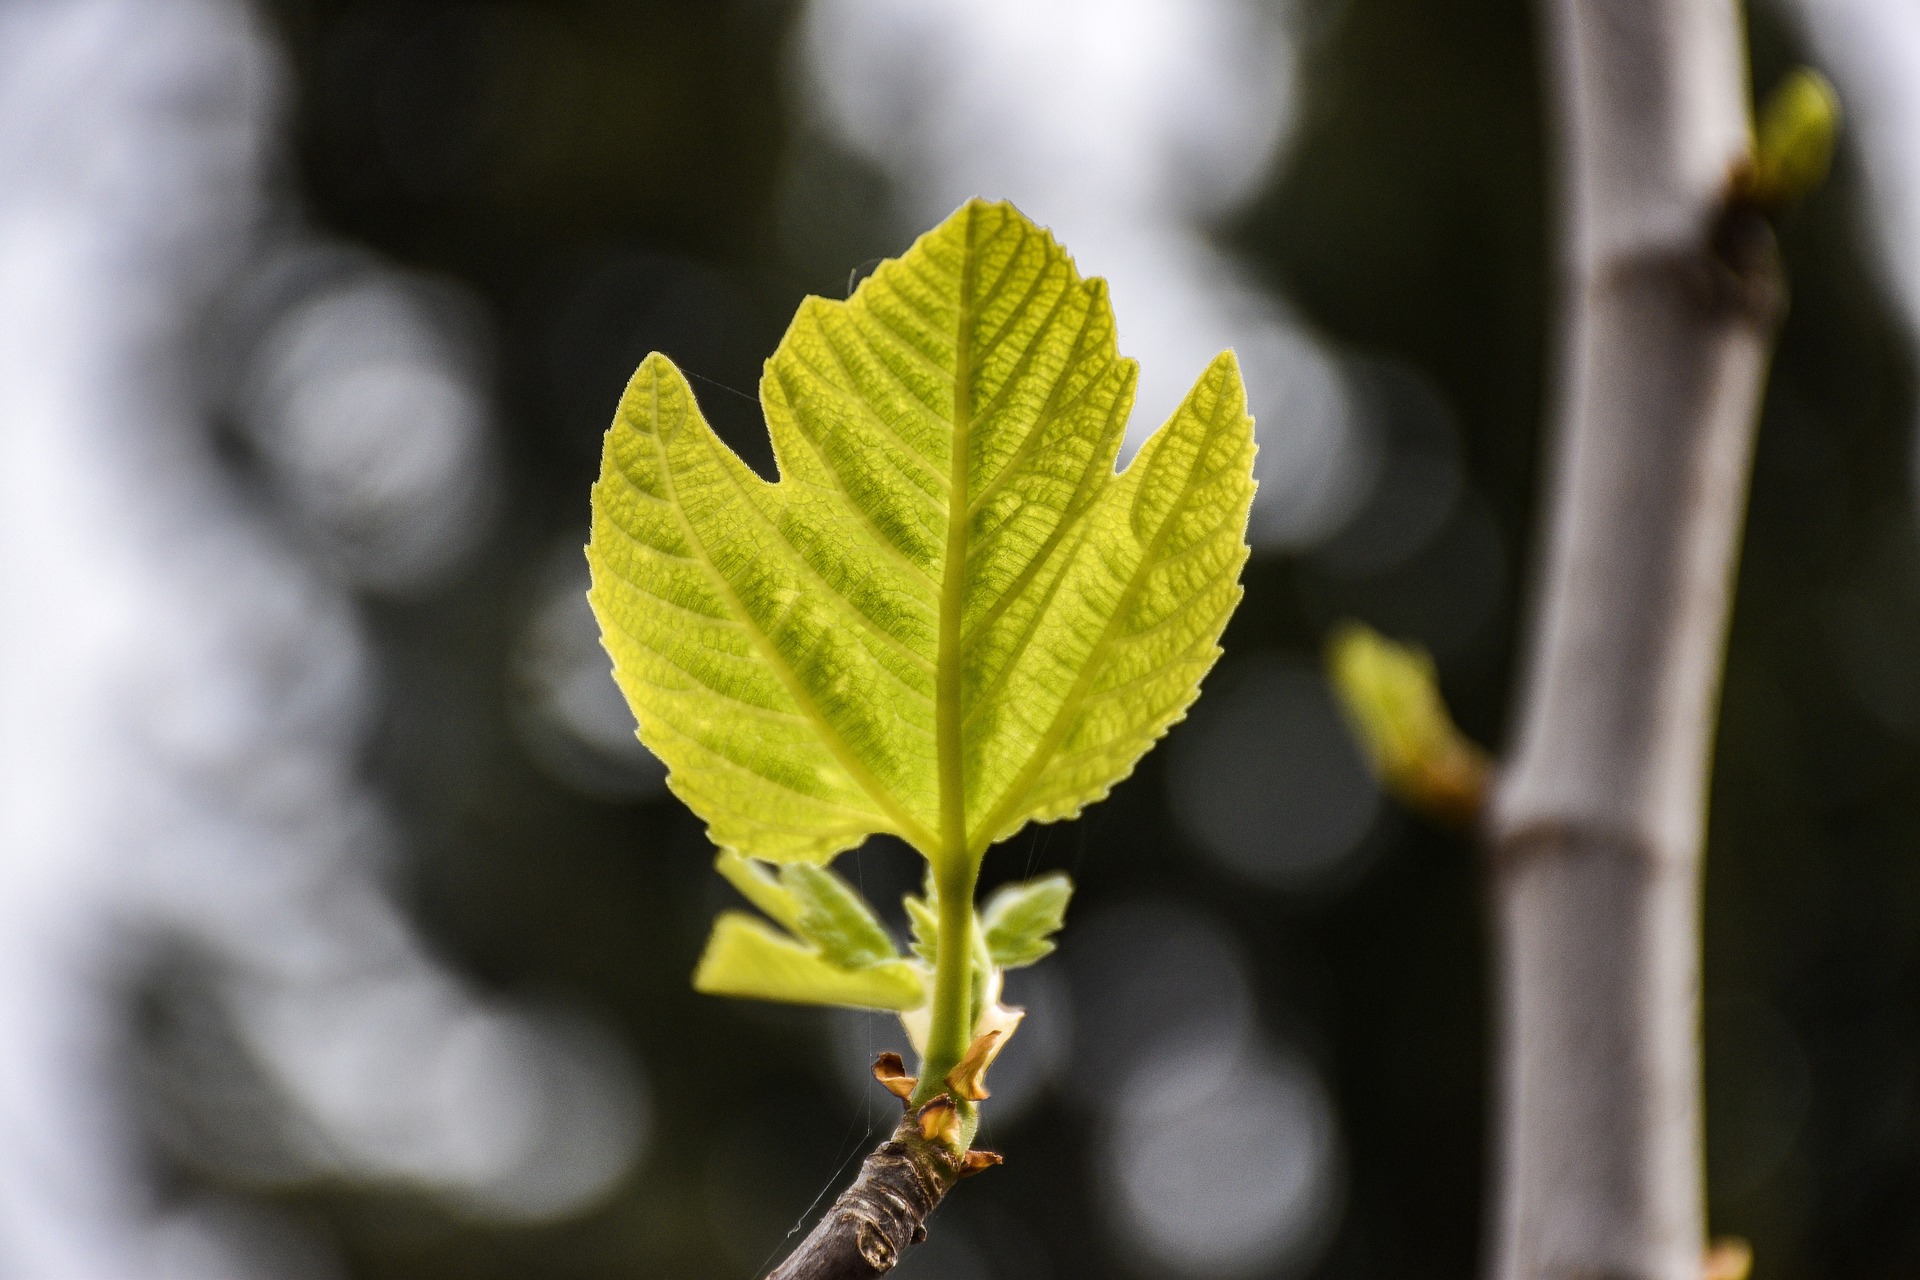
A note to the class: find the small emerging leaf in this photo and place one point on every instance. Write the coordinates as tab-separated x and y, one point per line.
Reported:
923	915
746	957
950	616
1794	145
759	886
817	905
925	919
1020	920
836	919
1391	696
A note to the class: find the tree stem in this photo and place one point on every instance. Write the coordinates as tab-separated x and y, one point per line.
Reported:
876	1219
1670	293
951	1022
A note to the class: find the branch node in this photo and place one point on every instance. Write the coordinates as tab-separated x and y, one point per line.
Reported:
883	1214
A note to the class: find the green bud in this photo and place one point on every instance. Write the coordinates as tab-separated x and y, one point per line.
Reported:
1797	129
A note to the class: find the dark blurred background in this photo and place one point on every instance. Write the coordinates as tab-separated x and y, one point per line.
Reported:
448	1031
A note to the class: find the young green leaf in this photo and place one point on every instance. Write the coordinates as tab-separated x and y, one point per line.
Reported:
1020	920
1391	695
747	957
949	616
817	905
836	919
925	919
758	885
1794	142
923	914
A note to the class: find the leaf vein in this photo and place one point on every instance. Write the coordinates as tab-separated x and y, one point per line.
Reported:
907	825
839	486
864	624
1073	705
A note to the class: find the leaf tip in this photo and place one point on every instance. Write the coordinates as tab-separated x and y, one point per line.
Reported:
657	364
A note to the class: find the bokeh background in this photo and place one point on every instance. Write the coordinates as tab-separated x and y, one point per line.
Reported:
344	927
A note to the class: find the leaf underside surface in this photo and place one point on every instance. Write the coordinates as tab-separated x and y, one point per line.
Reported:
949	616
1020	920
746	957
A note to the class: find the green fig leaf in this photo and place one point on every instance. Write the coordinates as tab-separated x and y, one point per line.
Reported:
749	958
836	919
949	617
1020	920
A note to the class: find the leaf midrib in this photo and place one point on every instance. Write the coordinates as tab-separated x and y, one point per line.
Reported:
950	671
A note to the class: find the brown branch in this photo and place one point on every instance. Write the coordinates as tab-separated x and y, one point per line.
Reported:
901	1182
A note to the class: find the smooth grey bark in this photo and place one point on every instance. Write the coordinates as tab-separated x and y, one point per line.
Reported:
1669	295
